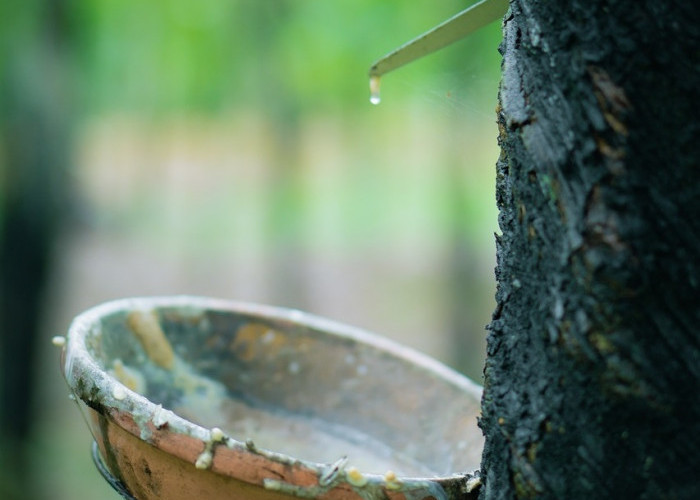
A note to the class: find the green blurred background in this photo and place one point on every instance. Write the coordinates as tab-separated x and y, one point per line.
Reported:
229	149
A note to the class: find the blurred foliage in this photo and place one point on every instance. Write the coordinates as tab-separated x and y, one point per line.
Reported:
169	55
283	62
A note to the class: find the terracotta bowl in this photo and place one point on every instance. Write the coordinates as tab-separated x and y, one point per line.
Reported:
190	397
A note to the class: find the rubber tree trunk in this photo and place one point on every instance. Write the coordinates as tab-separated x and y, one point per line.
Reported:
592	375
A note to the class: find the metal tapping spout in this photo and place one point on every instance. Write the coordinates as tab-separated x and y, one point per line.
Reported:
452	30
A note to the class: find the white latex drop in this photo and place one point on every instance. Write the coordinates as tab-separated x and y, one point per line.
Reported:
374	97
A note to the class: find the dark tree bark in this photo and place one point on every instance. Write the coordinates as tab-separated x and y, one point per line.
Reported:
593	359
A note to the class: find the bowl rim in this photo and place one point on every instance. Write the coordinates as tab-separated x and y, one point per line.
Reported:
102	392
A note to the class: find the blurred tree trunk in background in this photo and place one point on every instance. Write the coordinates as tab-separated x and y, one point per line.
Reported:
593	361
281	108
468	304
34	144
463	275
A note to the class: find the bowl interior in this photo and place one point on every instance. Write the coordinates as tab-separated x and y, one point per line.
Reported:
295	384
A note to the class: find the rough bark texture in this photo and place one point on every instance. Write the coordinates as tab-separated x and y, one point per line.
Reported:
593	371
